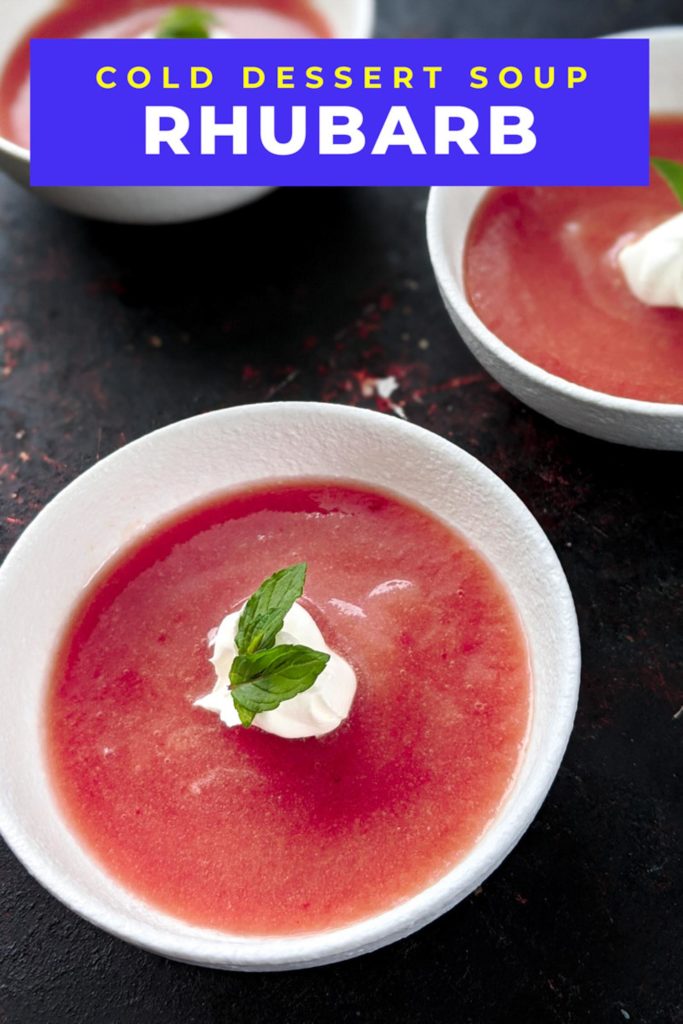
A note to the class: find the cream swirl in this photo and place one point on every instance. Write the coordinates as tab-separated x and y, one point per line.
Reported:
315	712
653	264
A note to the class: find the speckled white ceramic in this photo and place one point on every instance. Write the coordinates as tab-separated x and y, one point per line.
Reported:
352	19
449	215
196	459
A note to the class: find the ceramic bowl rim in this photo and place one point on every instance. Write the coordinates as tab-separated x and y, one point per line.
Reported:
536	375
367	16
287	952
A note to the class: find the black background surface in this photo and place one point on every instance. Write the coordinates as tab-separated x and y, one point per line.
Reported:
108	332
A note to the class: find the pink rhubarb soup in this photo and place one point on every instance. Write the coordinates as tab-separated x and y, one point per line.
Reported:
244	831
128	19
541	272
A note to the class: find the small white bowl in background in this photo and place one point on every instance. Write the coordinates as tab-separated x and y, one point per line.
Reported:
123	496
348	19
609	417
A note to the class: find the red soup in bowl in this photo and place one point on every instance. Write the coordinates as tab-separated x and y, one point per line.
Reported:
542	272
250	833
130	19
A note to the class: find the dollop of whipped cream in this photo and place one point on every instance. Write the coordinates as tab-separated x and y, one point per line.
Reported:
653	264
315	712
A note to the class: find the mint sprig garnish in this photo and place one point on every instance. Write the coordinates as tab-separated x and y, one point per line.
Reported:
263	675
185	22
672	172
262	681
265	611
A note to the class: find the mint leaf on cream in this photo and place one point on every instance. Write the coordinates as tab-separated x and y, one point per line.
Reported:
264	680
264	613
672	172
185	22
263	675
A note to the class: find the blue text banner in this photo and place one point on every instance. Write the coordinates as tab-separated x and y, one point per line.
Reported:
339	112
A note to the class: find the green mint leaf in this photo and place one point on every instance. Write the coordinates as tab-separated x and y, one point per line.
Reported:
263	676
246	717
185	23
265	679
264	613
672	172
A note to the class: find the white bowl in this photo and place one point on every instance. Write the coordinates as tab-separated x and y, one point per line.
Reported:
146	481
348	19
449	215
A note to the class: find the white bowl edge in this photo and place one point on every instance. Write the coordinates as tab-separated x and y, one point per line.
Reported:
360	441
354	19
608	417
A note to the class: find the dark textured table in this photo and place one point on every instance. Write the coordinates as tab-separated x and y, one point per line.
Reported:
108	332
